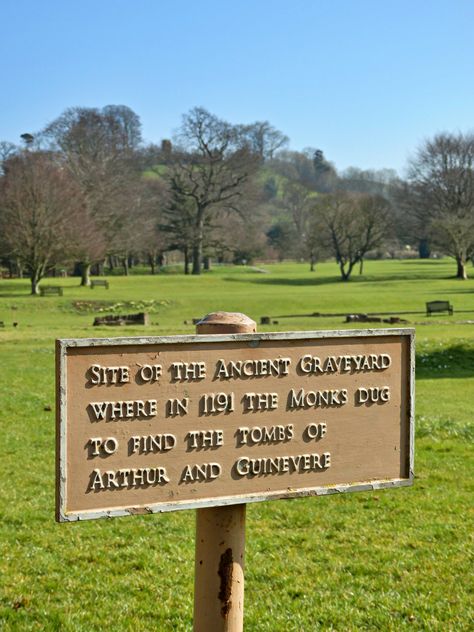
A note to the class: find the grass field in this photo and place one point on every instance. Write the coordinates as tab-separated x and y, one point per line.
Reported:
389	560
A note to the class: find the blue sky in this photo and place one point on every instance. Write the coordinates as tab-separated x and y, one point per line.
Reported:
366	80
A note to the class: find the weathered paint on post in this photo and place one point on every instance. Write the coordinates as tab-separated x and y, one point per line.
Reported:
220	533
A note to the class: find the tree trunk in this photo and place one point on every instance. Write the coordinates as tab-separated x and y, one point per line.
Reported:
85	274
312	262
186	261
207	263
152	262
346	272
35	279
343	271
197	246
361	266
461	271
197	258
125	266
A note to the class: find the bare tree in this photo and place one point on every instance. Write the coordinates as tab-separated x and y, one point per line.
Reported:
315	246
371	181
40	212
352	225
153	241
296	166
298	201
100	150
441	194
210	172
7	150
264	139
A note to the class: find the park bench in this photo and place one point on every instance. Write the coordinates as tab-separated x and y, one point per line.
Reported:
99	283
438	306
51	290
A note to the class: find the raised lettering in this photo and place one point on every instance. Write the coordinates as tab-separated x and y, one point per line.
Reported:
372	395
344	363
102	447
201	439
263	367
315	431
108	374
150	372
260	401
267	466
200	473
315	399
175	407
213	403
130	409
145	444
181	371
264	435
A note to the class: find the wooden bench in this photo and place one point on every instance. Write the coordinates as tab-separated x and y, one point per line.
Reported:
438	306
99	283
50	290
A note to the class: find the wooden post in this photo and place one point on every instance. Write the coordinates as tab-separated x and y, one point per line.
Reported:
220	532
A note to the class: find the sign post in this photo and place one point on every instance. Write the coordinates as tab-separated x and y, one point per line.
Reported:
220	532
227	417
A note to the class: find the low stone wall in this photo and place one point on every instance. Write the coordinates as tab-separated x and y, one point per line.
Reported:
141	318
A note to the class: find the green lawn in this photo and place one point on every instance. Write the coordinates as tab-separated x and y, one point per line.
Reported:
367	561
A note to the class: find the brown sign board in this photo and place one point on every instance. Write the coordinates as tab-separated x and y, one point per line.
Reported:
157	424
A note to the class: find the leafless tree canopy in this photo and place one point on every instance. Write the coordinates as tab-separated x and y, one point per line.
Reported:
7	150
217	189
40	213
264	139
351	225
99	148
441	194
211	171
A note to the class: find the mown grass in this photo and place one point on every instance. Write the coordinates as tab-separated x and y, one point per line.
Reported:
384	560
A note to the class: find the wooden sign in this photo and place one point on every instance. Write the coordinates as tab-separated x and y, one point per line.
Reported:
147	425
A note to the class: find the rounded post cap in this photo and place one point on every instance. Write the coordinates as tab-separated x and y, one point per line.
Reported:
226	322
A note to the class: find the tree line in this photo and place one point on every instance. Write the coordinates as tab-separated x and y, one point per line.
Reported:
87	190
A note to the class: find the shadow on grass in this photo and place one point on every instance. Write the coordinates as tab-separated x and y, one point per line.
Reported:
14	289
420	262
464	290
355	279
288	281
456	361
